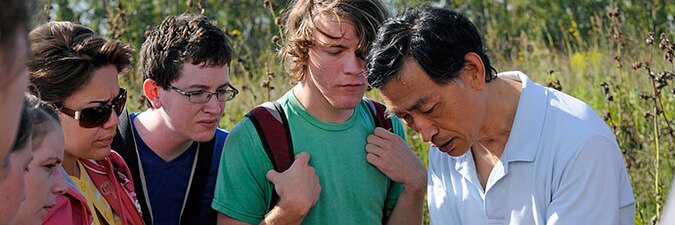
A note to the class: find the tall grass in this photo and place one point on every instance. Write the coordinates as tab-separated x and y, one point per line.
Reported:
599	53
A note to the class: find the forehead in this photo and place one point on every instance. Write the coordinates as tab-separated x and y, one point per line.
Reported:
410	87
331	28
202	74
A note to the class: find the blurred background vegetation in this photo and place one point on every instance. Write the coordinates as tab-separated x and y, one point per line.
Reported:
615	55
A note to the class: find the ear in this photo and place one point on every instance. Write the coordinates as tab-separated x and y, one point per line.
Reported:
151	91
474	71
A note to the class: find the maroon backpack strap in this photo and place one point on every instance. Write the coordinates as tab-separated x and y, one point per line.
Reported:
271	124
379	113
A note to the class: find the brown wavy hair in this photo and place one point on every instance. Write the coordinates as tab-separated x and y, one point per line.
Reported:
300	19
64	55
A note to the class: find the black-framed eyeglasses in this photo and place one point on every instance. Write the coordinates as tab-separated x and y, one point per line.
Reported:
96	116
205	96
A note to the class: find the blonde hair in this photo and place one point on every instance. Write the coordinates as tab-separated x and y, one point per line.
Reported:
300	25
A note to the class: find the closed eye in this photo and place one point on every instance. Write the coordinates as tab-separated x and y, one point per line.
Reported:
430	110
49	167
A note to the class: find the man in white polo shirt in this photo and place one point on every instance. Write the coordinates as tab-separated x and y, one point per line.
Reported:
505	150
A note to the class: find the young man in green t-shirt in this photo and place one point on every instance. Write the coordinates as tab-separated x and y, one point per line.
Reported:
347	181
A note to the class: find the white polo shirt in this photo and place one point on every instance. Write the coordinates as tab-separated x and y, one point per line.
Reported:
561	165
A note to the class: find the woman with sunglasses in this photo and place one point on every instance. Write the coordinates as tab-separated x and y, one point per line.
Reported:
75	69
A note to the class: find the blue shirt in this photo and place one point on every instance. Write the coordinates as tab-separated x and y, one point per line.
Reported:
167	182
561	165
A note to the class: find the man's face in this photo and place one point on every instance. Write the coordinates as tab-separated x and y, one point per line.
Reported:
335	70
13	81
447	115
195	121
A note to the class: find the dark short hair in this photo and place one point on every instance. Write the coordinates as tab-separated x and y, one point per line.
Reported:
65	55
437	38
179	39
365	15
25	127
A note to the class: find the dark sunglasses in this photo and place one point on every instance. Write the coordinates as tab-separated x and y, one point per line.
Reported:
96	116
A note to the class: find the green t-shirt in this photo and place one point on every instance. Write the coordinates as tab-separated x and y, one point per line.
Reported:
353	190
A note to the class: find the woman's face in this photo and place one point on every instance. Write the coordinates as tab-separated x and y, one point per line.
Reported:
44	181
91	143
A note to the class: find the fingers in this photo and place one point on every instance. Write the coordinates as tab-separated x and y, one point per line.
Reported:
273	176
301	158
383	138
375	160
381	132
374	149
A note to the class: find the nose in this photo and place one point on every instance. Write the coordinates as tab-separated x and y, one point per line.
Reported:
214	105
59	182
113	121
425	127
354	65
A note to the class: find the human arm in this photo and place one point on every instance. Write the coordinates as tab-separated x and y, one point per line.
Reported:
593	187
298	189
392	155
243	191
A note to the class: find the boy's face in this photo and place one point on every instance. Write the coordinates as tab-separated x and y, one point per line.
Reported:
195	121
335	70
13	81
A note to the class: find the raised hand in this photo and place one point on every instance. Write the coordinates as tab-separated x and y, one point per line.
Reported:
298	187
391	155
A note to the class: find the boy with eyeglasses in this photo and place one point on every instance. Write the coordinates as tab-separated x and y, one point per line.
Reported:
173	148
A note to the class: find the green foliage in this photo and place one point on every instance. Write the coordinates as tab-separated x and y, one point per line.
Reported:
579	46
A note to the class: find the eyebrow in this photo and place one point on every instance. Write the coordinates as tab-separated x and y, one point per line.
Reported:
103	102
56	160
418	103
206	87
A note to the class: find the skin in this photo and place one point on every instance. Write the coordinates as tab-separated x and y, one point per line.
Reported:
90	143
14	186
455	116
333	88
13	82
173	123
336	81
44	182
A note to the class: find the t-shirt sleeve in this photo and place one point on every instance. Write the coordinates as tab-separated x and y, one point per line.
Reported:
242	190
396	188
592	188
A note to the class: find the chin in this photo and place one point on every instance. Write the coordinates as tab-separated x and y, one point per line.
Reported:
100	154
204	137
346	104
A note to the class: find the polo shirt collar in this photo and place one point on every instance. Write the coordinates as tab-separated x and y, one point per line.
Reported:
528	123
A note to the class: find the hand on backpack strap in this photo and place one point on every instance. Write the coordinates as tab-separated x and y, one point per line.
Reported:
298	187
392	155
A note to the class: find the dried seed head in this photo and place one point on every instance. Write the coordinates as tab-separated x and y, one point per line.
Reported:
650	38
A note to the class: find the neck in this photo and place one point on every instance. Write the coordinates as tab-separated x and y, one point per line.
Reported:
318	106
502	98
162	140
70	164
